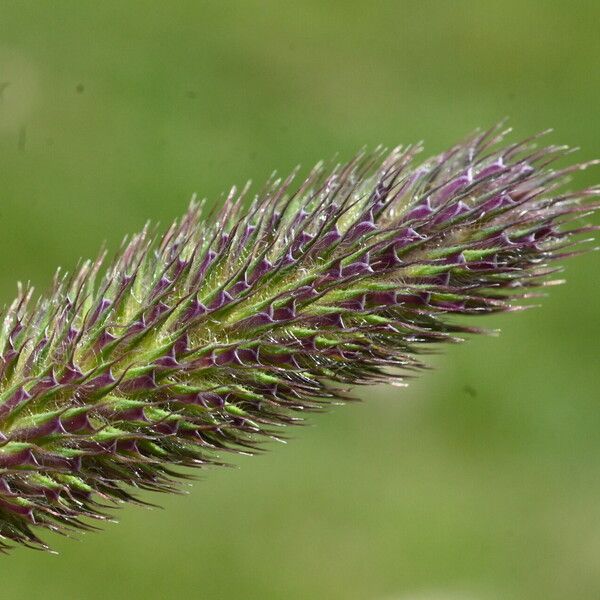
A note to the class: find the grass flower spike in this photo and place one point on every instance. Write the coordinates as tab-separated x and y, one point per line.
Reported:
227	329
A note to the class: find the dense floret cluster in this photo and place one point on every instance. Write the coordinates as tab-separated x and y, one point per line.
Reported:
228	328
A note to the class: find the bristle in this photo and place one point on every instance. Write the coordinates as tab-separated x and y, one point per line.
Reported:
225	331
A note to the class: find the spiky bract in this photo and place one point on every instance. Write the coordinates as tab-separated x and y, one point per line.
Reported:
227	329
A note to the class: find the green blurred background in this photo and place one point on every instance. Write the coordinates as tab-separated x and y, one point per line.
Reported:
480	481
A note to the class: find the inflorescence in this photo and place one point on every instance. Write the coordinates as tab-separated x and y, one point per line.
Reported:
223	332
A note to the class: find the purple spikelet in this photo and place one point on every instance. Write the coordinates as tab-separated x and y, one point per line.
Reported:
226	330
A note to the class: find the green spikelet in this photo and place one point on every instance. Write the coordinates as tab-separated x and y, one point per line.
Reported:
223	332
